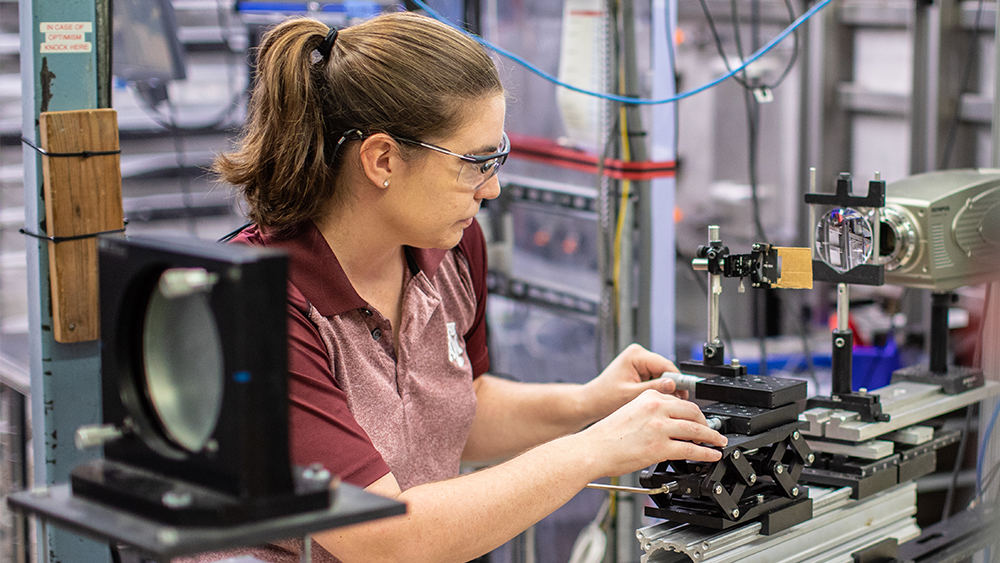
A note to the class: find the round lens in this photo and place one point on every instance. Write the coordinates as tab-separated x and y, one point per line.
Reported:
182	352
843	239
898	238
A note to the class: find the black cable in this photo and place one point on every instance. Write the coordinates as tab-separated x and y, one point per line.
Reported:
795	47
964	85
722	53
949	498
718	45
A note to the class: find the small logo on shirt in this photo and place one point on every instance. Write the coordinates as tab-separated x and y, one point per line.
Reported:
455	351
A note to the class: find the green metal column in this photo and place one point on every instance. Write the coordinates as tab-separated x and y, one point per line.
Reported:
58	74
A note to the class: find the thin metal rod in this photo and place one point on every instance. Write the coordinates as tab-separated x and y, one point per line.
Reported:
843	307
306	555
811	227
669	487
714	291
877	229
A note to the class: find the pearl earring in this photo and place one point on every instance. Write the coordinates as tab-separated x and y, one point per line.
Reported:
385	184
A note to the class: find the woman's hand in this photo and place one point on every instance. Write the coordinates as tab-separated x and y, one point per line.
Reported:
634	370
651	428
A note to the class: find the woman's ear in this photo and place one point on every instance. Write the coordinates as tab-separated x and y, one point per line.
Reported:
380	157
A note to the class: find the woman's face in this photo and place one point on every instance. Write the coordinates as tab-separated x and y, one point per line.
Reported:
433	201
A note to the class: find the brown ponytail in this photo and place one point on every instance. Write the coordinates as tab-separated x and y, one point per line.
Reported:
400	73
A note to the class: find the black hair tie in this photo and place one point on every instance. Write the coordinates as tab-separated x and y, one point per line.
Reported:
327	45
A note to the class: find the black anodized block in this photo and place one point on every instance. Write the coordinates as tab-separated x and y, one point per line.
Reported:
917	466
752	390
786	517
744	419
861	487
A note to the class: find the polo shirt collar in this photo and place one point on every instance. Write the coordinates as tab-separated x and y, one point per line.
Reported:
313	268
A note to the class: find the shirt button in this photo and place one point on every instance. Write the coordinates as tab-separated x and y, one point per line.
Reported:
377	333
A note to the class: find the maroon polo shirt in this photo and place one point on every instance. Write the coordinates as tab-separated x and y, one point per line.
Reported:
359	406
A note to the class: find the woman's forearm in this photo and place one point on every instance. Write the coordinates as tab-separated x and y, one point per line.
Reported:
462	518
512	417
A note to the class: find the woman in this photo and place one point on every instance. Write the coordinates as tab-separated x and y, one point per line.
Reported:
366	156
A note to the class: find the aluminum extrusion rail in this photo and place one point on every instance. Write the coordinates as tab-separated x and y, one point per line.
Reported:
907	403
838	527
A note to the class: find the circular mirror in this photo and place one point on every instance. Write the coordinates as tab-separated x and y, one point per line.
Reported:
843	239
182	354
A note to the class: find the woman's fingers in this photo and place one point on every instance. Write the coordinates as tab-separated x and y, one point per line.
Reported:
692	452
694	432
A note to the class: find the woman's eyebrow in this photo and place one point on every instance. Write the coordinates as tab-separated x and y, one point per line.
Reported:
488	149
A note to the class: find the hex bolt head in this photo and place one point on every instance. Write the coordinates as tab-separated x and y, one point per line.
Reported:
796	435
753	478
779	469
718	489
736	454
811	458
795	491
734	362
736	513
760	499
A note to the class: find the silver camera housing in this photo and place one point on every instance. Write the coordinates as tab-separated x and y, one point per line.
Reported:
941	230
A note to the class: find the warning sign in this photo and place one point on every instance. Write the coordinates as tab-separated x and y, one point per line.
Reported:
65	37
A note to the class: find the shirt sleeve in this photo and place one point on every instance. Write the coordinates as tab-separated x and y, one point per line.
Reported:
321	427
473	246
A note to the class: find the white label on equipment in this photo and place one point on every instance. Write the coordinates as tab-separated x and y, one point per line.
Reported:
65	37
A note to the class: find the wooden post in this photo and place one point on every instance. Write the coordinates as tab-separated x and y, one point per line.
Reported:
83	196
